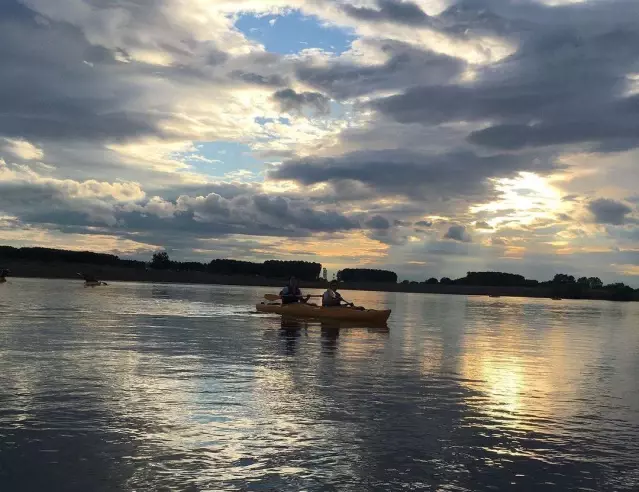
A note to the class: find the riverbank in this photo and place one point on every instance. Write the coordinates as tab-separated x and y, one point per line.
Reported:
110	273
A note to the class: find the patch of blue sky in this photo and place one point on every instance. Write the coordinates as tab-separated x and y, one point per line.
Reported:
294	32
224	160
282	121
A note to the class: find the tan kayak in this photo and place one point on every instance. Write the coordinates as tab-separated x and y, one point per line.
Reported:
311	311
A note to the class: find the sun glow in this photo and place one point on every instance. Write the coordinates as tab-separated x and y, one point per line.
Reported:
524	200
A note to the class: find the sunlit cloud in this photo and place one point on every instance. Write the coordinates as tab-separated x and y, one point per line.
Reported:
522	200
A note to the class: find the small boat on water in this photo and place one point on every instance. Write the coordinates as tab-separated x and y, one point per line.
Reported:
91	281
3	274
94	283
318	312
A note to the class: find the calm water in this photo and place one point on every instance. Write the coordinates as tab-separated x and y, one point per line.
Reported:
175	387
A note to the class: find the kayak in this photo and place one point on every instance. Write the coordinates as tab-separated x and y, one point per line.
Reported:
93	283
312	311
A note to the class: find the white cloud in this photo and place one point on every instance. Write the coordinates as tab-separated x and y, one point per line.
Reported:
22	149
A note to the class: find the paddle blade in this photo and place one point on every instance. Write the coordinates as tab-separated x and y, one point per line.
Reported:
272	297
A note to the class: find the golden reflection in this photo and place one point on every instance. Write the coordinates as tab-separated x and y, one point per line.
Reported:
521	373
502	381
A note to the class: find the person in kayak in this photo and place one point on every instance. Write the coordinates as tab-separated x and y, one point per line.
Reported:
332	298
90	280
292	293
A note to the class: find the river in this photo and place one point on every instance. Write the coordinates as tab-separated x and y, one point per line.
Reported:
182	387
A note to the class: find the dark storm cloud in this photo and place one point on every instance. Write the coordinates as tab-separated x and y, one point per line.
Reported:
440	104
345	80
378	222
48	92
400	12
513	137
458	233
382	230
46	203
460	174
225	189
294	102
58	202
606	211
565	83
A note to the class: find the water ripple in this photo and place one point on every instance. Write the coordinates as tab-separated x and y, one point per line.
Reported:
168	387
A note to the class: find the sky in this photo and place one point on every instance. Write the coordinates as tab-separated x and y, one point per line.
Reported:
430	137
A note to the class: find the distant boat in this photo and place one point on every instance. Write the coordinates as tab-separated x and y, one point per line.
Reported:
556	298
3	273
493	295
90	280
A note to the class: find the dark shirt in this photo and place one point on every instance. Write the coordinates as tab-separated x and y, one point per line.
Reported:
290	294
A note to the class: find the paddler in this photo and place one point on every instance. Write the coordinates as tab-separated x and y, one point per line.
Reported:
90	280
332	298
292	293
3	273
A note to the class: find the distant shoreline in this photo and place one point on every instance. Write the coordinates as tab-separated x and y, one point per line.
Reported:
110	273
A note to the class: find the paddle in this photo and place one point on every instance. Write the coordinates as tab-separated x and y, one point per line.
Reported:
277	297
351	305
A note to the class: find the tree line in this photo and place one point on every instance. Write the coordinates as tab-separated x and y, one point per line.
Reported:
561	285
303	270
50	255
366	275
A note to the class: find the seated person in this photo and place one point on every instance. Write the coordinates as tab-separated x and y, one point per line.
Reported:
332	298
292	293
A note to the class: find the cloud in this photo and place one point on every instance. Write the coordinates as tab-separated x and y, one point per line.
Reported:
424	223
111	114
458	233
22	149
394	171
483	225
564	85
249	214
348	79
378	222
272	80
606	211
401	12
290	101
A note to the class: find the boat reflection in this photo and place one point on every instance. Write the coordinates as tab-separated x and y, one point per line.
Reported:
331	324
290	331
330	330
291	324
329	334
